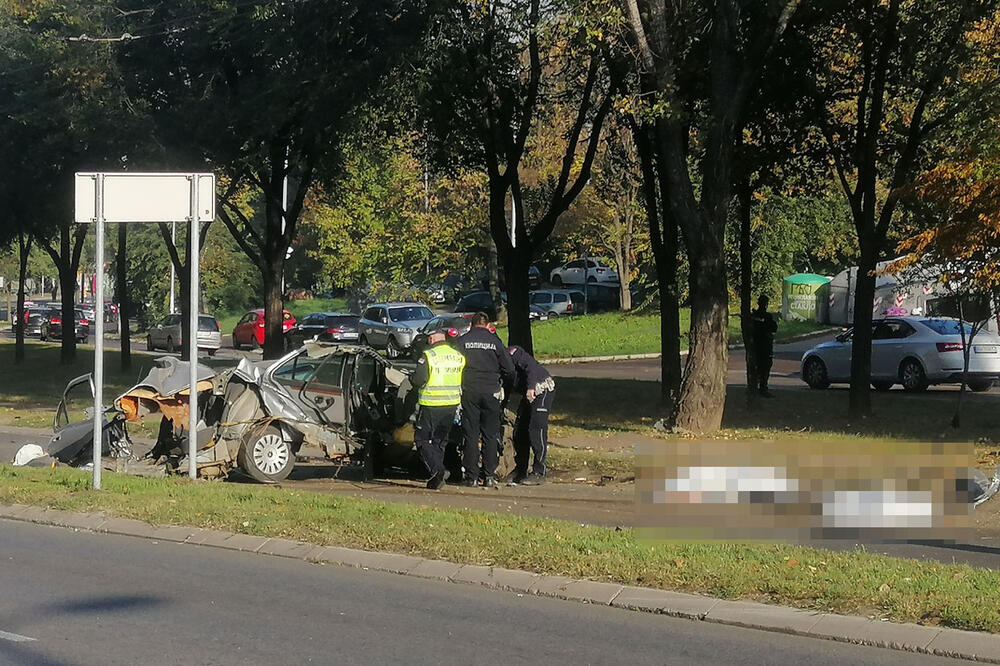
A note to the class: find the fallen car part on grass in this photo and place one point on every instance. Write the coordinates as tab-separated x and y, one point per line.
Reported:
344	399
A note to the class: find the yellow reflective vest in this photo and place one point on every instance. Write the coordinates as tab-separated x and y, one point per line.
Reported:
444	385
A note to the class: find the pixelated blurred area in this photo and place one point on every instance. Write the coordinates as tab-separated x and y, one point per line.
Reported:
798	491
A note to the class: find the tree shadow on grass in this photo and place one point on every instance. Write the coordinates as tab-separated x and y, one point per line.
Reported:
599	404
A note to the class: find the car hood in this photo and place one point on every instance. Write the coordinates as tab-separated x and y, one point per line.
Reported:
414	325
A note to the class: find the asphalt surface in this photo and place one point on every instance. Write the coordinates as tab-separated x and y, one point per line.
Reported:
82	598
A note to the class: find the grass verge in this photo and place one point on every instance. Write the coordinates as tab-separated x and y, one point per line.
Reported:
615	333
851	582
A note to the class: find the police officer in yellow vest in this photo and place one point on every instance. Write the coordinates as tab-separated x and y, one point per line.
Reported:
438	380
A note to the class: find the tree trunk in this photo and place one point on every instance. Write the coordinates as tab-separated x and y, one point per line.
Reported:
493	279
121	288
860	400
274	306
664	245
746	290
24	249
703	386
272	259
518	322
67	284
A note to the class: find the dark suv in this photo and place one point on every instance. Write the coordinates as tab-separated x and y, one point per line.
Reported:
52	326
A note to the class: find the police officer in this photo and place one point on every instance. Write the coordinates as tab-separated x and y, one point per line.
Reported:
438	379
488	366
531	430
764	328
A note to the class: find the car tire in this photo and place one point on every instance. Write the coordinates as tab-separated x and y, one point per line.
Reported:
170	345
392	348
254	345
592	280
553	315
814	374
265	456
211	352
980	385
236	345
912	376
149	344
882	387
557	281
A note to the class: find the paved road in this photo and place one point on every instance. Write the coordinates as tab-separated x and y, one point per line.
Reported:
101	599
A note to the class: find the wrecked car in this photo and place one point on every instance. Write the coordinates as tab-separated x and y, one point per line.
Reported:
344	399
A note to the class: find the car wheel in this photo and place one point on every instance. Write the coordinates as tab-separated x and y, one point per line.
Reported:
254	344
592	280
266	456
553	315
557	281
392	349
211	352
815	375
236	343
149	344
170	345
911	376
882	387
980	385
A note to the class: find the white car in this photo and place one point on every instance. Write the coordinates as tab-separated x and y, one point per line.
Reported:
167	334
582	271
912	351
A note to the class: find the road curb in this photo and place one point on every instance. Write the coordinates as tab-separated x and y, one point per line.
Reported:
936	641
636	357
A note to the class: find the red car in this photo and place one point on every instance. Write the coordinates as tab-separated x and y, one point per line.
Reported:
249	330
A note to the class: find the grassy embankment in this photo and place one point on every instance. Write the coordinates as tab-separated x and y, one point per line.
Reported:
845	582
613	333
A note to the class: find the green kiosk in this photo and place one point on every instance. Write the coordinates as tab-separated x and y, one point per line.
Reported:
804	297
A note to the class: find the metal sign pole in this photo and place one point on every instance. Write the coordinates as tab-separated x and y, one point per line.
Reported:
173	275
194	230
98	335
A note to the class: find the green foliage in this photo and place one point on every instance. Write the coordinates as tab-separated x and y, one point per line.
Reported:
792	234
382	227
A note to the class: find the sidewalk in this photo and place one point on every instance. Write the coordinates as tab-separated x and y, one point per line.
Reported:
907	637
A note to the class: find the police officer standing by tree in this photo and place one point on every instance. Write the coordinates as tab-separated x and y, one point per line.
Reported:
531	431
438	379
488	366
764	328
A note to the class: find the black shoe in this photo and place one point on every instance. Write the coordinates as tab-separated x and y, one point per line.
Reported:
534	480
436	481
469	482
517	479
455	478
765	393
489	482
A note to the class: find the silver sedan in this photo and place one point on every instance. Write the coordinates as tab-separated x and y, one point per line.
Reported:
912	351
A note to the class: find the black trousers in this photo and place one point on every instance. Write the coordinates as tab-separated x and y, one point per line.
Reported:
531	433
764	363
480	418
431	435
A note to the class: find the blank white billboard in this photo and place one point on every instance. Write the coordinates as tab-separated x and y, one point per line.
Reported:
144	197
